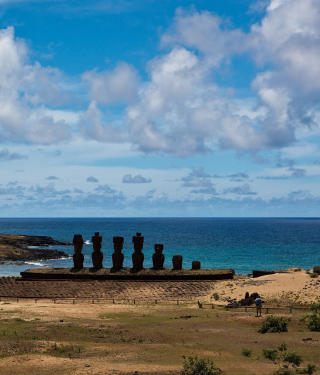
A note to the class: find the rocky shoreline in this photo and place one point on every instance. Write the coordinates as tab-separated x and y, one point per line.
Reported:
16	248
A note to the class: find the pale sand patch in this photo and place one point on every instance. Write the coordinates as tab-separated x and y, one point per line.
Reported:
284	287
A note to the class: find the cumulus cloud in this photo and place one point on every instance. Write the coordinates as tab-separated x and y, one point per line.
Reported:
240	190
121	84
182	111
128	179
92	179
47	191
24	88
6	155
93	125
197	178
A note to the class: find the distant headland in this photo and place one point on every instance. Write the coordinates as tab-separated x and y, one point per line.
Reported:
20	248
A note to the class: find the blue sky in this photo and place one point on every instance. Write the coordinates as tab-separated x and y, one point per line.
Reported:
159	108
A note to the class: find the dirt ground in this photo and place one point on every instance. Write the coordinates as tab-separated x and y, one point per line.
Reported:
42	337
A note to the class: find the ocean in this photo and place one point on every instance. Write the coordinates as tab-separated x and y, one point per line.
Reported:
243	244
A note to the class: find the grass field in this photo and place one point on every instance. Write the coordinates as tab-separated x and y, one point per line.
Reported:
84	338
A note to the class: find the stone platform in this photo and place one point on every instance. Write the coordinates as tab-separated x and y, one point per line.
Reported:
146	274
16	287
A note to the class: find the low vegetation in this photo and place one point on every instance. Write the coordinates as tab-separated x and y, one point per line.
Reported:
285	360
41	337
274	324
199	366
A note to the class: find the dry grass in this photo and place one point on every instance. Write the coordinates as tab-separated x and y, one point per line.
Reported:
47	338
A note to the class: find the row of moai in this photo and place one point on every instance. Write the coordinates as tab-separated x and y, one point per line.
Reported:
118	257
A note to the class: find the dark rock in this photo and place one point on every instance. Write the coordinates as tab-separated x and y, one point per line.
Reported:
15	248
253	296
316	269
246	302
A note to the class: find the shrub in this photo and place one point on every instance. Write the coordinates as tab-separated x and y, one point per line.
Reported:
216	296
284	359
274	324
314	274
246	352
199	366
309	370
314	323
315	306
297	269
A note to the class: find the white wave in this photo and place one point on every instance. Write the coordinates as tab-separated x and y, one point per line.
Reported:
87	242
35	263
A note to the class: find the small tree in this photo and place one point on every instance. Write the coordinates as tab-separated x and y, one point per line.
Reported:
199	366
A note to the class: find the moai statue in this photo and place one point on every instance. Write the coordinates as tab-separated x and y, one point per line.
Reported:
196	265
177	262
137	256
97	256
117	256
158	257
78	257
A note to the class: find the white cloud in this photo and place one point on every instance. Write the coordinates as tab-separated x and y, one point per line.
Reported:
23	88
121	84
94	126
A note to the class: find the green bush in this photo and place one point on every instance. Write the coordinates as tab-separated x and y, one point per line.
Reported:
314	323
309	370
315	306
216	296
246	352
274	324
284	359
314	274
199	366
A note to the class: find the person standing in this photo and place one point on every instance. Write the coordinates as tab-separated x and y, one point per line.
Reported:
258	302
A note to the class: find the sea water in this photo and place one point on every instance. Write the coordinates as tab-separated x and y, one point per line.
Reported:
243	244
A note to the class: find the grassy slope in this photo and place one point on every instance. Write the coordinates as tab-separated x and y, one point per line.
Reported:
119	339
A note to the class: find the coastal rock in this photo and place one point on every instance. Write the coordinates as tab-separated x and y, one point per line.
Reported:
15	248
316	269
